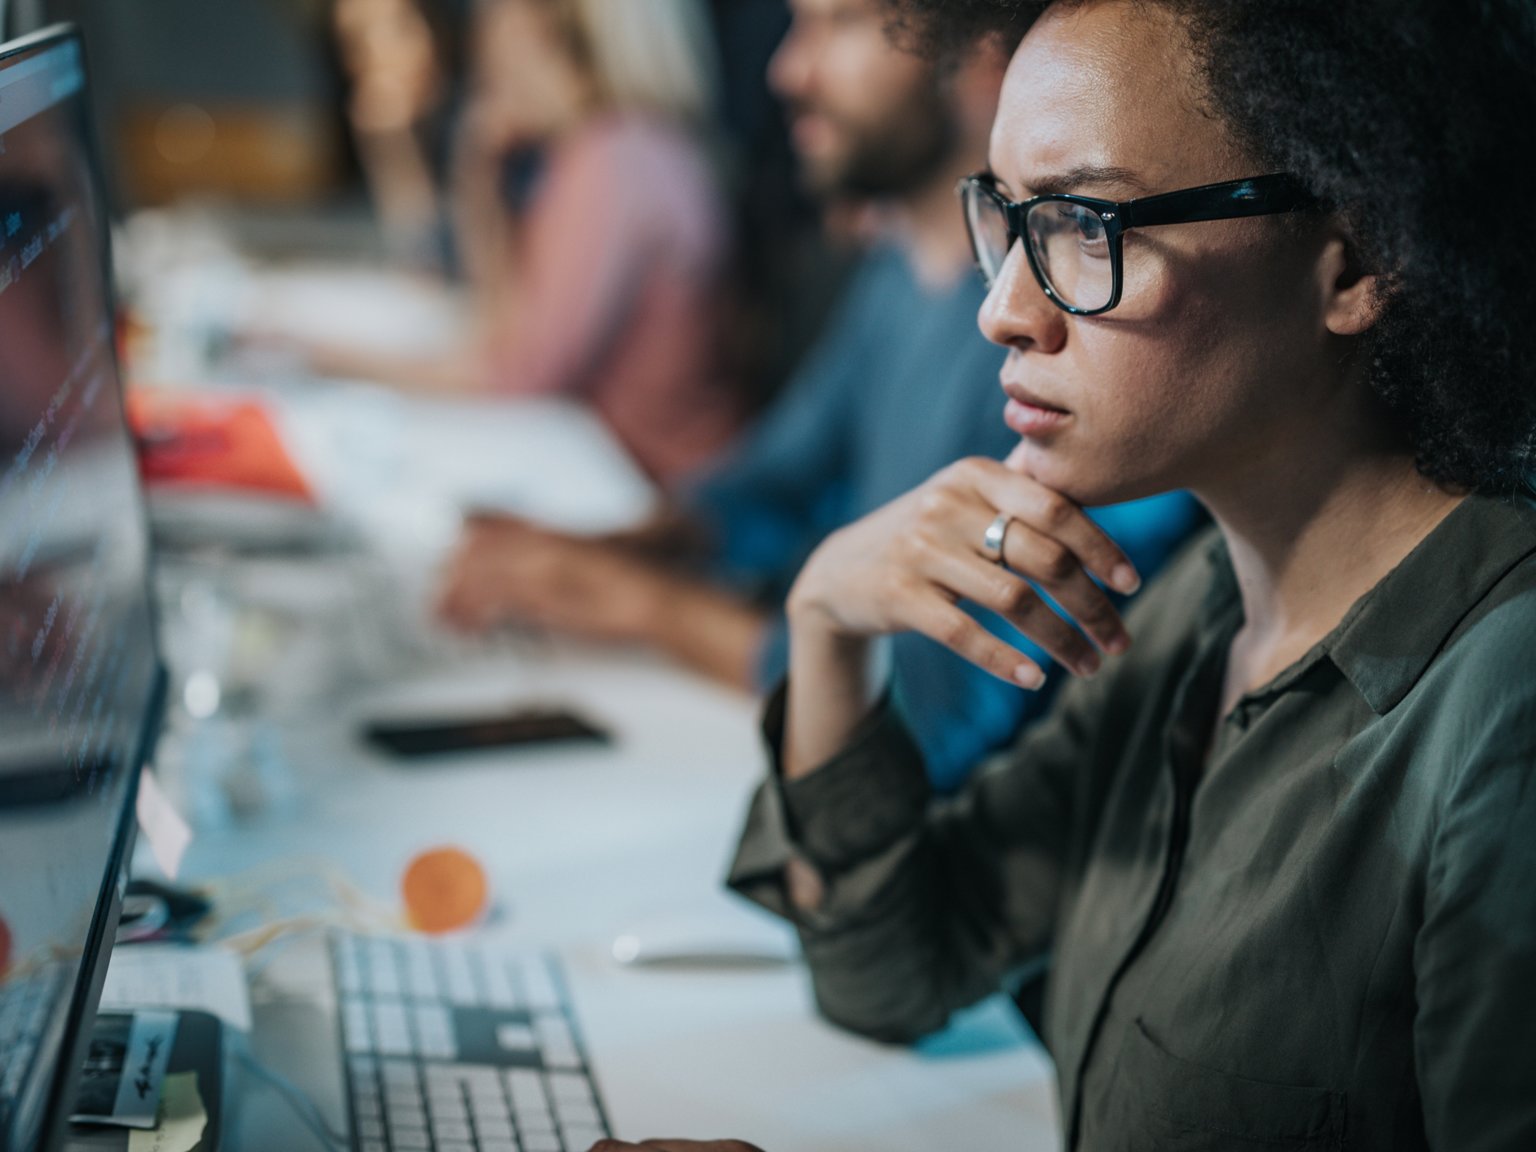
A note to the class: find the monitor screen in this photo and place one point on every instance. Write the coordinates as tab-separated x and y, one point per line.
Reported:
79	674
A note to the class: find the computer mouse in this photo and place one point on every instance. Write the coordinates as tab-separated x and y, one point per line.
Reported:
699	941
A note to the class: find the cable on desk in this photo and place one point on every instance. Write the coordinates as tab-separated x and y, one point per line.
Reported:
254	893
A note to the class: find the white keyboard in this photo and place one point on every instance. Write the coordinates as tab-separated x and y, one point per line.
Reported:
460	1048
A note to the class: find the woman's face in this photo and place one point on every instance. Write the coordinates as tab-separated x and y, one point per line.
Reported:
526	82
1218	360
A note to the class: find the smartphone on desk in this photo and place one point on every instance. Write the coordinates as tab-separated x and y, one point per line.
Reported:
519	728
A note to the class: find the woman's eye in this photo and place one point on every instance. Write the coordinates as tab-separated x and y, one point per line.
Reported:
1090	229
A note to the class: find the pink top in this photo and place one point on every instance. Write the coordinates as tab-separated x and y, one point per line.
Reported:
621	258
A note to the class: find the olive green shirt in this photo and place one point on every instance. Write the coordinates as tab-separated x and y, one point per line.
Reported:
1316	931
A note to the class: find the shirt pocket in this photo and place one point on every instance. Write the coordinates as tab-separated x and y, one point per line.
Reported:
1180	1106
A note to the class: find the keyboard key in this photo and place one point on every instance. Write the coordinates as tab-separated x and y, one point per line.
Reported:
583	1138
403	1092
420	971
544	1142
410	1140
498	983
461	981
398	1072
568	1086
535	1120
349	977
450	1130
493	1129
370	1129
374	1146
367	1107
455	1146
577	1115
496	1144
391	1031
442	1106
356	1033
516	1038
381	975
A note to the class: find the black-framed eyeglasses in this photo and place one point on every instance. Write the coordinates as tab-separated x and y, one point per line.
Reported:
1075	243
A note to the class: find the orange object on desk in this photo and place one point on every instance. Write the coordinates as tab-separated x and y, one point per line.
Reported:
445	889
5	948
212	442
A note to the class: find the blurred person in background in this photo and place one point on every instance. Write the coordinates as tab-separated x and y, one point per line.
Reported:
901	384
401	59
590	223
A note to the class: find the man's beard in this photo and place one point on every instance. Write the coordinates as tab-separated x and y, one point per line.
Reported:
908	149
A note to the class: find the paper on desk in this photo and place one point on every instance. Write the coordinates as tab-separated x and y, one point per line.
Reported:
182	1118
167	976
163	827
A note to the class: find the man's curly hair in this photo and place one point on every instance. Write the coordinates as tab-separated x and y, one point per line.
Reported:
1416	121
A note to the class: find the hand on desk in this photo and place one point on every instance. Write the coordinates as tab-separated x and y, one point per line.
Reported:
506	570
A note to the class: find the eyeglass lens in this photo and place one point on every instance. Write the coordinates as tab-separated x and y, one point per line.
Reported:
1069	243
1071	249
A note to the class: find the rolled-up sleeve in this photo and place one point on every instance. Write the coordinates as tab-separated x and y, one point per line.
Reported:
928	904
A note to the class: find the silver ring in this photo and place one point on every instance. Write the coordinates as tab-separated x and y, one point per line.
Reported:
996	535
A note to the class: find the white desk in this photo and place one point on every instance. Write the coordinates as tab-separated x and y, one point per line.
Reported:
581	844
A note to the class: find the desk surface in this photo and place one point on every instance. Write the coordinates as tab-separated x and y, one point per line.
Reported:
584	844
581	844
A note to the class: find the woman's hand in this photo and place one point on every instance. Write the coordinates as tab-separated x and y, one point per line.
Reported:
904	567
508	571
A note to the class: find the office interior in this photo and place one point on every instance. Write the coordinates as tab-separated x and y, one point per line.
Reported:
291	590
416	420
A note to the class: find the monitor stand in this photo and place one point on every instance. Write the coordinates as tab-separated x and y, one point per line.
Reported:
199	1048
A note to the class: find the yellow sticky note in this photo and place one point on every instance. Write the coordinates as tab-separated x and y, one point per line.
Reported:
181	1118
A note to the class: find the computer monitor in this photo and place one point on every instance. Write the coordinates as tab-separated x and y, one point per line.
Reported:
81	685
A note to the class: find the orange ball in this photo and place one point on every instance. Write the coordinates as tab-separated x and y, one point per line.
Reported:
445	889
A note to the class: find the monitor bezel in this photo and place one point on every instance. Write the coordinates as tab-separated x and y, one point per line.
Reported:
86	995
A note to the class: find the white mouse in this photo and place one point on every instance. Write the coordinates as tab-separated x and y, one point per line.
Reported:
716	940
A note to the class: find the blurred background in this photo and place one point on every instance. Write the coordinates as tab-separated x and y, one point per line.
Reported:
330	129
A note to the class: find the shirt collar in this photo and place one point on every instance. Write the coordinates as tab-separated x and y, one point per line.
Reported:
1390	635
1388	641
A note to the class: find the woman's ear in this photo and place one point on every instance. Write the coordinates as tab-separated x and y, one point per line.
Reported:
1353	296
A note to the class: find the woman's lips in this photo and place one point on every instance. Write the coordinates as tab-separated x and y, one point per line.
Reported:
1029	419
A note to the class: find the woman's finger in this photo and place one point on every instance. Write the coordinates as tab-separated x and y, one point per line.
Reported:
1043	561
997	589
1053	515
942	621
1057	570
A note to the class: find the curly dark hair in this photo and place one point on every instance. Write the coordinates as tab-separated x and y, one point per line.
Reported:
1416	121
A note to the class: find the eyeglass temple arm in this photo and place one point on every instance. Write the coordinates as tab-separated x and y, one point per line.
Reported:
1259	196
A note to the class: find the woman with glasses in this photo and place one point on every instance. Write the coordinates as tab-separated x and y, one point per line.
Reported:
1278	837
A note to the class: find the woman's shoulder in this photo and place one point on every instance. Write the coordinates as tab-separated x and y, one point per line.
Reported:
1488	664
1464	657
640	140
